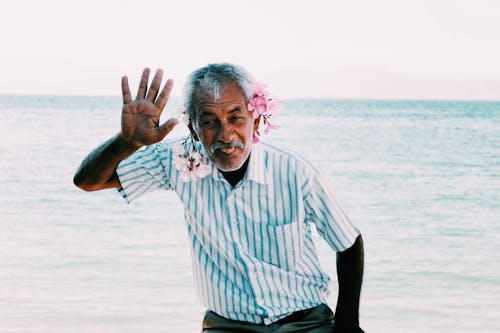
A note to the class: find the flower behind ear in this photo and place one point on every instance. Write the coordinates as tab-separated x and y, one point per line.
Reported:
261	104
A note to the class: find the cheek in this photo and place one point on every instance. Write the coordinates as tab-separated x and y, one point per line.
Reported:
246	131
201	134
206	137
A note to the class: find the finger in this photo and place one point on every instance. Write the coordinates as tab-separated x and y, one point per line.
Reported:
155	86
127	97
165	94
143	85
164	129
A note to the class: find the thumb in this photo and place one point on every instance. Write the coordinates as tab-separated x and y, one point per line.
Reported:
166	127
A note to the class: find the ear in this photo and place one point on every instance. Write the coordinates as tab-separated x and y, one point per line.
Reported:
256	124
193	132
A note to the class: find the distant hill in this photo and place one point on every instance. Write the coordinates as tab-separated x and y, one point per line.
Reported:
368	84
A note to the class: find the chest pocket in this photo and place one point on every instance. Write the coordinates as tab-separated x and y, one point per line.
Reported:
279	245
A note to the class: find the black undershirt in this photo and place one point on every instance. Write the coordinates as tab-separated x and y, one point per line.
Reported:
233	177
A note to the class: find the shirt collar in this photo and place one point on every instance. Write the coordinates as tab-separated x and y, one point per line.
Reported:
257	170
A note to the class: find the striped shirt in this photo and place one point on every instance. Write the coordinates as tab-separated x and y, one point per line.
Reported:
252	250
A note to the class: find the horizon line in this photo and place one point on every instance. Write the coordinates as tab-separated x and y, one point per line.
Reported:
409	99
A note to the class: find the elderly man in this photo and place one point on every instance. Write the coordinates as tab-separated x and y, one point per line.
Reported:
248	206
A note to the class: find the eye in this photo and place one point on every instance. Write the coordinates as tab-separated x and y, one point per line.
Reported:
209	123
237	118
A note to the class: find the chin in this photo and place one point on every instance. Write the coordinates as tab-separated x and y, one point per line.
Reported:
227	167
230	163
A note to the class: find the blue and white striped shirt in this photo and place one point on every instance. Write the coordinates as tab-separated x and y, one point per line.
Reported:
252	250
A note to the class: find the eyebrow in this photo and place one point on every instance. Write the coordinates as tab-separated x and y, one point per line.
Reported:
205	112
235	109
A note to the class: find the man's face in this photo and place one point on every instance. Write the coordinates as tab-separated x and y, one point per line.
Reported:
226	127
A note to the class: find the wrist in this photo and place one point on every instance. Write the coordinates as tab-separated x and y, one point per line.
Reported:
126	146
346	322
340	328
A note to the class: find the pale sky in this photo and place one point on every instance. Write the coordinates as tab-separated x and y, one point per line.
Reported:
349	48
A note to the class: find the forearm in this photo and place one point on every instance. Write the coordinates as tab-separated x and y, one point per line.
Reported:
350	277
98	169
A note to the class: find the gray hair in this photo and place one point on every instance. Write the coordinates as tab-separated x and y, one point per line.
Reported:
210	79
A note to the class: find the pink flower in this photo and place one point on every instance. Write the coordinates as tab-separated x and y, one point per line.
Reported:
270	127
258	105
260	89
262	105
255	138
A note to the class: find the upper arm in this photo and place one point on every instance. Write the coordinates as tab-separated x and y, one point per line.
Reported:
322	209
147	170
113	182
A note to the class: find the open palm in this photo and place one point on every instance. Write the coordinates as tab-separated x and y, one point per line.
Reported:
140	123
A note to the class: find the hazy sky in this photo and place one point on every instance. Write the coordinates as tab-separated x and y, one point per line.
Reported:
327	48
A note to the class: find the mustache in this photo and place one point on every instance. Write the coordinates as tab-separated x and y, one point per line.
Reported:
221	145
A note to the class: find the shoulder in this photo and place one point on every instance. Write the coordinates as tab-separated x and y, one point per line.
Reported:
152	156
279	155
274	151
161	148
286	165
168	144
289	165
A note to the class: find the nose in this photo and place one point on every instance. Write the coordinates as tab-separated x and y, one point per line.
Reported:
226	132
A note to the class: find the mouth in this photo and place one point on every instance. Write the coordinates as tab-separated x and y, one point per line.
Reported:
228	151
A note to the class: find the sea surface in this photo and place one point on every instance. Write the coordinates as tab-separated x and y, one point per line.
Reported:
420	179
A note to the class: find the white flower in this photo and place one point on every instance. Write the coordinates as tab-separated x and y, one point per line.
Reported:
203	169
191	164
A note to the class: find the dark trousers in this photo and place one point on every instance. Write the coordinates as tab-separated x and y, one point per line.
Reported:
316	320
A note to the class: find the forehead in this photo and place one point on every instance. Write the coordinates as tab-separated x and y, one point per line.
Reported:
230	94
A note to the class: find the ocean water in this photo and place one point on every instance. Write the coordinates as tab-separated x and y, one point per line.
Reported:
421	179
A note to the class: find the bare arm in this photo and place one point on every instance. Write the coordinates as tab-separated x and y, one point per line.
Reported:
139	127
350	276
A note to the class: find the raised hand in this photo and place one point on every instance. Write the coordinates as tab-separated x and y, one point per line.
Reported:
140	123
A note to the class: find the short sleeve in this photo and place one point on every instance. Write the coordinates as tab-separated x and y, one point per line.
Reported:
144	171
322	209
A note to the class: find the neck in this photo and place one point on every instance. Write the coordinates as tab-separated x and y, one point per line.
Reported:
233	177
